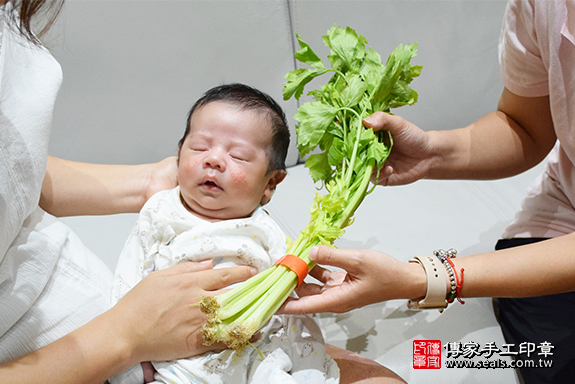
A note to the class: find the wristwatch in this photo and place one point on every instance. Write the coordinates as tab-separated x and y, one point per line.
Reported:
436	284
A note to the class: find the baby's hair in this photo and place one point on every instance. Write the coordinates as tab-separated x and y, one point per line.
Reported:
248	98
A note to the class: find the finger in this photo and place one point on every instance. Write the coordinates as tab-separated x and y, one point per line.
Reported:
256	337
381	120
375	121
347	259
311	304
212	347
320	273
187	267
282	311
215	279
384	175
307	289
292	306
149	371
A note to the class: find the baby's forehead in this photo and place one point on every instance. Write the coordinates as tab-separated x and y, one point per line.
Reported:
261	114
255	110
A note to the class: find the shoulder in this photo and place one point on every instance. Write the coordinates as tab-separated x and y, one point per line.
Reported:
158	202
524	45
263	219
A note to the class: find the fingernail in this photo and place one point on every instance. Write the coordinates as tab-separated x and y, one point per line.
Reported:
313	253
368	120
254	271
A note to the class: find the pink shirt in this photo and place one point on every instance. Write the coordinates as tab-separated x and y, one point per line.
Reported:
537	56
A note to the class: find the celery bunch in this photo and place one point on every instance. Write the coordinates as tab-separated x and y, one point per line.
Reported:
348	155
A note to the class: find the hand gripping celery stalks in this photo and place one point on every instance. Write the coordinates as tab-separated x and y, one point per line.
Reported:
360	84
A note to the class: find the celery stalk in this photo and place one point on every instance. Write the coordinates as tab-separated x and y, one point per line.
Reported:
360	85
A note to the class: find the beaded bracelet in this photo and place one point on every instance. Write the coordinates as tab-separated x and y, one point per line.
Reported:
437	296
442	255
455	282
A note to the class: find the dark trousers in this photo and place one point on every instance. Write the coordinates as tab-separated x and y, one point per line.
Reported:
537	320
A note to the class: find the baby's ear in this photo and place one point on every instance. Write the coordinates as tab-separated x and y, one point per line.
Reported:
277	177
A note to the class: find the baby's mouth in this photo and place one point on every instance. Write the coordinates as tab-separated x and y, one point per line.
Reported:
210	184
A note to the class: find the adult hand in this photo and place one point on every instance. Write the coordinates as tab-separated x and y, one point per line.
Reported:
163	176
153	321
368	277
159	320
411	156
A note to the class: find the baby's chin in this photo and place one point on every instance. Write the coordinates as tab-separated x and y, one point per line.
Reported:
215	213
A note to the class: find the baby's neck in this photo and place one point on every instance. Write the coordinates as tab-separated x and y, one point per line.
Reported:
209	218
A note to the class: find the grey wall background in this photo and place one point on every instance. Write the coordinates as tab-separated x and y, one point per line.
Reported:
133	68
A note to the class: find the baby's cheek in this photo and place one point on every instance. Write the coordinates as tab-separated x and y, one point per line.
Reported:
190	165
238	176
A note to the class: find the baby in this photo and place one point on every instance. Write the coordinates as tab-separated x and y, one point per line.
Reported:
230	159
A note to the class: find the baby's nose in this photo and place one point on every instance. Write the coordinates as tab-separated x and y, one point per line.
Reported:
215	161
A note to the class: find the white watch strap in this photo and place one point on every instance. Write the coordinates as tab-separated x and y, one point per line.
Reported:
436	284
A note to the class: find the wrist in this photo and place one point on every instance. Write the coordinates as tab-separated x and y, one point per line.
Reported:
115	328
435	297
418	281
157	177
443	283
445	158
140	184
143	181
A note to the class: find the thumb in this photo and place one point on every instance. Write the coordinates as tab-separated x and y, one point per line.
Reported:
334	257
381	120
377	121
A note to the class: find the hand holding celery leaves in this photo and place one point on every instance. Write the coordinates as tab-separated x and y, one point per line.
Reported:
360	85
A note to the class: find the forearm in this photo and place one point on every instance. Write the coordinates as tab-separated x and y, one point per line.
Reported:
490	148
74	188
154	321
91	354
541	268
503	143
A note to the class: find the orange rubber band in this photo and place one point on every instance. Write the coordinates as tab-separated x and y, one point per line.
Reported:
295	264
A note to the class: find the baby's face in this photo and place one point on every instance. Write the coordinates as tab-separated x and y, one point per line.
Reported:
223	162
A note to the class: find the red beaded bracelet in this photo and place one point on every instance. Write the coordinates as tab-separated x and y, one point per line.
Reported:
459	282
456	283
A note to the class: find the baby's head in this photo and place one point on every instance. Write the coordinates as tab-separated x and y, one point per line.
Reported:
233	152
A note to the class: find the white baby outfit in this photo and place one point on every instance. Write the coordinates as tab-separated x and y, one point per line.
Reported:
165	234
